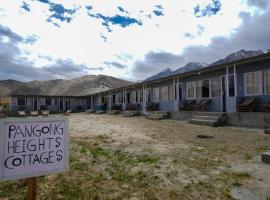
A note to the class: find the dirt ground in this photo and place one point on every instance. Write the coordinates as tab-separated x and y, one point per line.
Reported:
114	157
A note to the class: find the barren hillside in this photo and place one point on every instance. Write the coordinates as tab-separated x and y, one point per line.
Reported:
79	86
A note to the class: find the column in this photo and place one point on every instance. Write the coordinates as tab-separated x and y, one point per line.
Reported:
235	81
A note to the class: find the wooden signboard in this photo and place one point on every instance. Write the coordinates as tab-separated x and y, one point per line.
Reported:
31	147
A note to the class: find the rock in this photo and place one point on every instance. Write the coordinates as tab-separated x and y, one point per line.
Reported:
266	157
267	131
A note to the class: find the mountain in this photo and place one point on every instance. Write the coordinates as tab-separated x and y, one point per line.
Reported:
164	73
190	67
74	87
237	56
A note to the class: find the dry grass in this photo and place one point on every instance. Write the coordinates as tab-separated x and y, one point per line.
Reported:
143	159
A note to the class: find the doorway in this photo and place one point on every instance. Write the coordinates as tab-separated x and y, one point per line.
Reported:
128	97
223	93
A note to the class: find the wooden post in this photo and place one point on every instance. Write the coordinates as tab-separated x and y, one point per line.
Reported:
31	188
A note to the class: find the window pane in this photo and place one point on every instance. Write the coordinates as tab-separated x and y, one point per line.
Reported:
199	89
231	86
171	94
180	92
21	101
202	88
156	94
215	87
205	88
164	93
252	83
190	90
266	81
48	101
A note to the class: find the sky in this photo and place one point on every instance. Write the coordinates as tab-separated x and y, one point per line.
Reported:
132	40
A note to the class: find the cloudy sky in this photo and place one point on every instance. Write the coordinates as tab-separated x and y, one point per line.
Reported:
47	39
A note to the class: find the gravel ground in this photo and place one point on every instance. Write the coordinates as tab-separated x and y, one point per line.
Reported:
191	160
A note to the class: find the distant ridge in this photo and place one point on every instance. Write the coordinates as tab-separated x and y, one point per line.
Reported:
237	56
195	65
164	73
74	87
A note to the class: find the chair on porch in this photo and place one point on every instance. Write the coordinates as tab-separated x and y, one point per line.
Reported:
187	105
34	113
116	107
152	106
67	112
247	104
202	105
266	107
22	113
45	113
132	106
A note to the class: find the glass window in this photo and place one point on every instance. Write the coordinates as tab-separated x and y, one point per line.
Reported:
202	90
266	82
140	95
231	86
164	93
180	92
149	95
215	87
191	90
171	92
48	101
252	83
20	101
156	94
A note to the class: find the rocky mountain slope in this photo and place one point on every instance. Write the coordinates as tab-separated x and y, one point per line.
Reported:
194	65
79	86
237	56
164	73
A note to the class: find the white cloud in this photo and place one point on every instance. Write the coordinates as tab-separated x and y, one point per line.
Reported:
81	41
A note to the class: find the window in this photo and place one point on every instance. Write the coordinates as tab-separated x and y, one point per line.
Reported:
231	86
141	95
56	102
20	101
48	101
215	87
164	93
155	94
171	92
191	90
133	97
180	92
202	89
149	93
252	83
266	82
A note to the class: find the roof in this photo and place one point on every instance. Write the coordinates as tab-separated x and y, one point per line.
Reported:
193	72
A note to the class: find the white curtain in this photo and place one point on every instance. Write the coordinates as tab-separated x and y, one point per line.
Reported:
252	83
266	82
215	87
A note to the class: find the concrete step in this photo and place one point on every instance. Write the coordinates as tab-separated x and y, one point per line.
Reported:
158	116
214	114
212	123
210	118
130	113
100	111
113	112
159	112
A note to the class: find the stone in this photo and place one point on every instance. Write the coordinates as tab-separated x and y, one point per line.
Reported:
267	131
266	157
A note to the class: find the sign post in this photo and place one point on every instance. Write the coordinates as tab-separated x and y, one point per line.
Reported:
31	188
31	147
